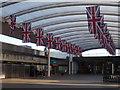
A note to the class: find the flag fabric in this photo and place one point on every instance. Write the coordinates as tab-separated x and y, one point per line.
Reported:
49	40
109	44
93	16
63	46
26	32
110	49
97	27
77	50
106	39
73	49
12	23
68	47
57	43
80	52
101	37
39	37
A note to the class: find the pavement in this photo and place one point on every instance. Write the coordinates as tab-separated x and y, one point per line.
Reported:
60	81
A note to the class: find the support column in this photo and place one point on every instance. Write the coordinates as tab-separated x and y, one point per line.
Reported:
48	62
70	64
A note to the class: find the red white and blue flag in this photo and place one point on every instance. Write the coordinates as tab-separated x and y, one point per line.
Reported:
111	44
12	23
97	27
40	36
80	52
49	40
63	46
100	37
68	47
26	31
105	39
77	50
93	15
57	43
73	49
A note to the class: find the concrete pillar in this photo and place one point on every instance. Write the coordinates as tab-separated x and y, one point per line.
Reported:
69	67
48	62
70	64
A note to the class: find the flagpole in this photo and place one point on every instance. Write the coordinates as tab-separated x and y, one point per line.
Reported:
48	62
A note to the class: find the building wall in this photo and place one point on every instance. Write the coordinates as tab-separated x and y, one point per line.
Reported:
15	70
75	67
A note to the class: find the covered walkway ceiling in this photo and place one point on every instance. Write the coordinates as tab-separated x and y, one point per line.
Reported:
66	19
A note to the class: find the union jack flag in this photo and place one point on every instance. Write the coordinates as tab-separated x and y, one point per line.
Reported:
110	49
73	49
108	45
111	43
77	50
105	38
108	40
113	47
26	32
49	39
103	42
12	23
63	46
80	52
107	35
93	15
101	37
57	43
40	36
68	47
97	27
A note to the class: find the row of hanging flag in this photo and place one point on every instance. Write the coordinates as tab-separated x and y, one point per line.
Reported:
97	27
45	39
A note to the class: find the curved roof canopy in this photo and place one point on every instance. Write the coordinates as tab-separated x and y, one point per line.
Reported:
66	19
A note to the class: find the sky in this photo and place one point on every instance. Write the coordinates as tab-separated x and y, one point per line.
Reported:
54	53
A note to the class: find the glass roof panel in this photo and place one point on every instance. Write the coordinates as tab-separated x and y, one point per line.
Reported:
3	0
89	35
72	33
59	19
66	20
22	6
26	5
77	39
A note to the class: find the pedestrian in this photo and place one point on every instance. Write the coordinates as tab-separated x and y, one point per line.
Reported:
43	73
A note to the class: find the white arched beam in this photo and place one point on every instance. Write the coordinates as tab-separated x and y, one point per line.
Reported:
63	4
